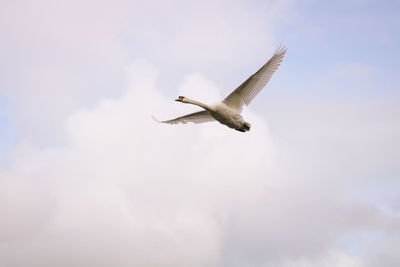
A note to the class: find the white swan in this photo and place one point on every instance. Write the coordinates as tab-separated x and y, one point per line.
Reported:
228	110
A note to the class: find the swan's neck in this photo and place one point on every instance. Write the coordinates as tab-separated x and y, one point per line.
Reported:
197	103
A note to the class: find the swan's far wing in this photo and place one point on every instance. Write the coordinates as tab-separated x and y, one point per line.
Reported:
197	117
246	92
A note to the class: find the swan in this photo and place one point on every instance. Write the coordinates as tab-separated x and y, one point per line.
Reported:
228	110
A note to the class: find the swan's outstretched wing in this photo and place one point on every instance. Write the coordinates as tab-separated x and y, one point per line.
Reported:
197	117
246	92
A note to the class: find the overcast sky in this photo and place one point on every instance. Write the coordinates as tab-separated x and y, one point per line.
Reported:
87	178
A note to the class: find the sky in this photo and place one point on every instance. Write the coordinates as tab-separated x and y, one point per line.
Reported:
87	178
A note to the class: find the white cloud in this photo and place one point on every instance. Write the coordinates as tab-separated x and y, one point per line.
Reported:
127	191
123	196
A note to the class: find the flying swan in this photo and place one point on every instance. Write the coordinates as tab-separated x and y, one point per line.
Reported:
228	110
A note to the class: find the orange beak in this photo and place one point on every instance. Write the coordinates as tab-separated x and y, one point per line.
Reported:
179	99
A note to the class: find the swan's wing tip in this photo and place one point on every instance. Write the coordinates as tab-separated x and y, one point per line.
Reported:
280	49
155	119
174	121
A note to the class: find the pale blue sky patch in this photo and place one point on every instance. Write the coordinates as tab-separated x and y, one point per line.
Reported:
8	133
325	35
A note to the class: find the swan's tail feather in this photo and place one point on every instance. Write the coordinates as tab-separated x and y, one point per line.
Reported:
246	126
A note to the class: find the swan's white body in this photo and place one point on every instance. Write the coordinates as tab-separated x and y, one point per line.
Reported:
228	110
228	116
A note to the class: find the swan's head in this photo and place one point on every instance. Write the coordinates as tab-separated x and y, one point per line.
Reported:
181	99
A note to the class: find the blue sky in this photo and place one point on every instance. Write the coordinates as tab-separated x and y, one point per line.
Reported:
85	171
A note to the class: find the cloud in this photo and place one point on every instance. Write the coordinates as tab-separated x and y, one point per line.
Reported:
126	191
120	192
